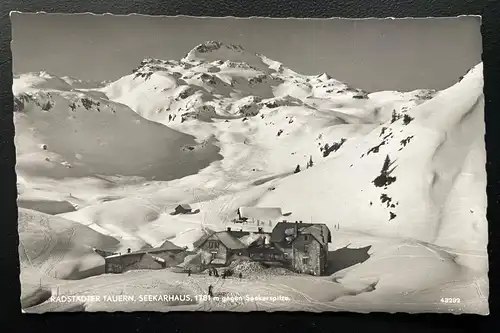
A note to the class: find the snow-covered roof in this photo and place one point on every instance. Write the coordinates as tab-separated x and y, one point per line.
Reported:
229	241
319	231
103	253
284	229
260	213
168	245
225	238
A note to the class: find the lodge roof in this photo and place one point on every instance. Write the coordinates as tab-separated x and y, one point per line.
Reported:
260	213
166	246
284	229
225	238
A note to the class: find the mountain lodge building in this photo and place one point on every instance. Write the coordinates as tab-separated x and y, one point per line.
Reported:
304	245
300	246
221	246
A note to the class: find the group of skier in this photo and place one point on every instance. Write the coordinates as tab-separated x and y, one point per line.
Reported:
212	271
215	273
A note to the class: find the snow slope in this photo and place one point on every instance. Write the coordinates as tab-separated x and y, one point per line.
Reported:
64	133
395	278
60	248
426	149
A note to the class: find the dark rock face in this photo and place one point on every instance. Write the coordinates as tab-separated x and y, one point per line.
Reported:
333	148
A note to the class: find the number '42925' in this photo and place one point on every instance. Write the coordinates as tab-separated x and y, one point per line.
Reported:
450	300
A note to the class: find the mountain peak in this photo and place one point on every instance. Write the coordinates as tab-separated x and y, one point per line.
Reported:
38	80
212	45
324	77
203	50
218	51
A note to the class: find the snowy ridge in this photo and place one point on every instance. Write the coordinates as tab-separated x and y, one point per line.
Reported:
213	76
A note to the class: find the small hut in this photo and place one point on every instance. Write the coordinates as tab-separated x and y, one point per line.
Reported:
182	209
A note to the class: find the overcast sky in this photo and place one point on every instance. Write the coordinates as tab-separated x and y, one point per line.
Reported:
369	54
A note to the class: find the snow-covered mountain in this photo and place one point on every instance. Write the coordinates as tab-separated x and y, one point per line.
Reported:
69	133
224	127
219	81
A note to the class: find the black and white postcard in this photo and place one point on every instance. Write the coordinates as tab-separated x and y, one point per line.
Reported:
250	164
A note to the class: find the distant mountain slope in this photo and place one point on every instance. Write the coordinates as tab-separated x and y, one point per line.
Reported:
213	77
76	83
272	116
63	133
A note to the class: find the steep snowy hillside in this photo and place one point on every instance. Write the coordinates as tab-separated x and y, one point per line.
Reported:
62	133
58	247
397	179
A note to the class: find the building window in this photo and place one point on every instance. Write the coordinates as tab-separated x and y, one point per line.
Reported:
213	244
306	248
306	237
305	261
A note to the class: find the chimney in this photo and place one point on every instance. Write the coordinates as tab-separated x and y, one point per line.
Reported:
228	229
260	230
296	229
